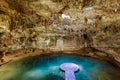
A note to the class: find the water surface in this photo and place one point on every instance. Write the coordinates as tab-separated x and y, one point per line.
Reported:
47	68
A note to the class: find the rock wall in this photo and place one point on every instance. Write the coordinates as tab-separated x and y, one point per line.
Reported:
39	24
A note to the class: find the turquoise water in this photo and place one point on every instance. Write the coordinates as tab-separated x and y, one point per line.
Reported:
47	68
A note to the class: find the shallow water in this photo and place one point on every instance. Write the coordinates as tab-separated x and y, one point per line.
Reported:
47	68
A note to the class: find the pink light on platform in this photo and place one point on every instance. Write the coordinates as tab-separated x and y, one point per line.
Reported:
69	69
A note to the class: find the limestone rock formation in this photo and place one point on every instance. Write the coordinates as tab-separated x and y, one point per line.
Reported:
29	23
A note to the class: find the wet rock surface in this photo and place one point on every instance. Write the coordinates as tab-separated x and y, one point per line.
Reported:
39	24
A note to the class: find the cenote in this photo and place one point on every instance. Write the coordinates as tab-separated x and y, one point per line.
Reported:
46	67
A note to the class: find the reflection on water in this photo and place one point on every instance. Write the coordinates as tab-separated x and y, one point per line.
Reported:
47	68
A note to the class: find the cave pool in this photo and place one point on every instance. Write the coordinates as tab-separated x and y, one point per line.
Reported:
46	67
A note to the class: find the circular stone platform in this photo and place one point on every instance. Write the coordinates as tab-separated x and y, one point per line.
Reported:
69	69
